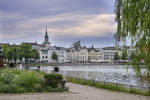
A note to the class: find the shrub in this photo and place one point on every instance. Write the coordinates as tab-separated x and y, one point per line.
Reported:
21	81
29	79
53	80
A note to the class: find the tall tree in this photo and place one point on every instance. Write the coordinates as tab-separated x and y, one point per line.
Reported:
124	55
55	57
26	50
77	45
132	56
15	53
10	54
133	19
116	56
35	54
5	52
20	55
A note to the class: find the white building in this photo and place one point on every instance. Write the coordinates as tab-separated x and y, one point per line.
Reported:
46	52
109	53
74	54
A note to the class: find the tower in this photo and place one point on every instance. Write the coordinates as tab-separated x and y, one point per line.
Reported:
46	40
46	36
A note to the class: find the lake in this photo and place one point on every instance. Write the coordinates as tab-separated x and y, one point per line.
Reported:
108	73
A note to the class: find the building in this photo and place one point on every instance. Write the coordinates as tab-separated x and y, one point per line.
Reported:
46	42
46	51
84	54
109	53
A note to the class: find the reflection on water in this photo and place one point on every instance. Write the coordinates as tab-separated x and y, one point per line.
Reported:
108	73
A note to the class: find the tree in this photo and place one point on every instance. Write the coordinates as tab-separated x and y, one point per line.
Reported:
116	56
5	52
10	54
77	45
15	53
124	55
20	54
132	56
26	50
35	54
55	57
133	19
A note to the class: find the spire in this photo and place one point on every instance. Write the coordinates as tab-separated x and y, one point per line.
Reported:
92	46
46	31
46	35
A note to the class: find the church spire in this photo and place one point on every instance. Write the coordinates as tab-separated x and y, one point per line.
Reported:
46	31
46	36
92	46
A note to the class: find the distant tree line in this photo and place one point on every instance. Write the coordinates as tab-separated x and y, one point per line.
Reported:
15	53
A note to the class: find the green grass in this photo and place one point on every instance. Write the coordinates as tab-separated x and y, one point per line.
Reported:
22	81
109	86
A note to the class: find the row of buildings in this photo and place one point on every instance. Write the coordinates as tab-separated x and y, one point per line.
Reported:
76	53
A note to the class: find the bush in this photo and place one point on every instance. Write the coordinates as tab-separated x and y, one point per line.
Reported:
53	80
29	79
21	81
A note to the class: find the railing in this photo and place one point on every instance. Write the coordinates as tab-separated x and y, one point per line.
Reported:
142	90
117	85
81	75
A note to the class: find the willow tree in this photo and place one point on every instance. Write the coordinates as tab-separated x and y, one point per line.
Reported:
133	23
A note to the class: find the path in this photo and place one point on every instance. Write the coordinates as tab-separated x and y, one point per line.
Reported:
78	92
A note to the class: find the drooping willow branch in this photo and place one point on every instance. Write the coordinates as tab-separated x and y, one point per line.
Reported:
133	19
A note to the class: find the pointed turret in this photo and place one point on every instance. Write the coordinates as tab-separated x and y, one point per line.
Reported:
46	36
46	39
92	46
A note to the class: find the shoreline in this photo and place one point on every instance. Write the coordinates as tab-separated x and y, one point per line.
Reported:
75	64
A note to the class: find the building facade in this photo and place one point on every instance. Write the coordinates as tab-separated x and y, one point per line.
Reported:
76	53
86	55
109	53
46	51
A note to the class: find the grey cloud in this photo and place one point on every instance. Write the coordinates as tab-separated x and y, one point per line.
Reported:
23	19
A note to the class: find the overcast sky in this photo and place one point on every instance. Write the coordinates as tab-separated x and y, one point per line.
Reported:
90	21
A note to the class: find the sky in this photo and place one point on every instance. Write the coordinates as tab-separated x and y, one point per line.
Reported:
90	21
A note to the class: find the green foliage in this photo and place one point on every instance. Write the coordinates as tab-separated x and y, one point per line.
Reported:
26	51
54	56
20	81
77	45
116	56
20	54
124	55
35	54
14	53
132	56
53	80
133	18
5	50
